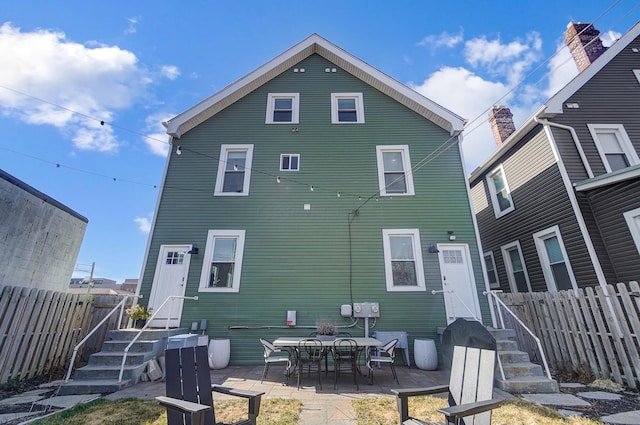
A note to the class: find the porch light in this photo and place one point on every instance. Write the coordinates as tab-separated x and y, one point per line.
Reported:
194	250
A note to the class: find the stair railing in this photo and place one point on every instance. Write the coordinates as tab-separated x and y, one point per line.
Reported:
135	338
120	306
450	291
512	321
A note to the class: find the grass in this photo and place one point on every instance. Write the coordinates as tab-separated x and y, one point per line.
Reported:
131	411
383	411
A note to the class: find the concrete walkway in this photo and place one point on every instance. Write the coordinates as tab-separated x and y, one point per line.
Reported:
320	406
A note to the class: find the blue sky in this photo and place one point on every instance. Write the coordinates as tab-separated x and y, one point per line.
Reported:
67	65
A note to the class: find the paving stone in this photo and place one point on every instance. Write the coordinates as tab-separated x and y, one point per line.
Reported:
599	395
64	401
6	417
20	399
626	418
571	385
567	412
556	400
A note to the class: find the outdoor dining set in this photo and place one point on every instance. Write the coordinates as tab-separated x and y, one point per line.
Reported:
314	354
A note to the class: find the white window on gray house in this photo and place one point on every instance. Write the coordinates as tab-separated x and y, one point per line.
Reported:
403	260
516	269
636	72
492	272
234	170
614	146
554	260
394	170
222	261
633	221
289	162
500	193
347	108
282	108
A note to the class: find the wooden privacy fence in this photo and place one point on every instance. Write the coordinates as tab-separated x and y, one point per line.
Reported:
40	328
586	330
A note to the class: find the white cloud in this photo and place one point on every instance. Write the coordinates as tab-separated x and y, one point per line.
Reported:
445	39
562	69
511	60
47	70
170	71
609	37
131	28
144	223
156	138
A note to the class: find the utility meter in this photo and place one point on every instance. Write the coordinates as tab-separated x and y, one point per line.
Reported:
366	310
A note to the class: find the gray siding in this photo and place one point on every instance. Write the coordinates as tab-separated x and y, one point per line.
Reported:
541	201
296	259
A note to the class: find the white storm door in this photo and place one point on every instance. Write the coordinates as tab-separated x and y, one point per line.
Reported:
458	283
170	279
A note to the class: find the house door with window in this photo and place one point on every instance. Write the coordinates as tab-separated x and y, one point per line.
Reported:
170	279
458	283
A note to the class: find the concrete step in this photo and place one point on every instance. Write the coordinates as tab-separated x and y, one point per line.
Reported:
112	372
514	370
113	358
514	356
138	346
502	334
528	385
147	334
101	386
506	345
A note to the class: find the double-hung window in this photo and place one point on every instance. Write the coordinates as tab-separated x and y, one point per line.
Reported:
283	108
633	221
394	170
222	261
500	193
403	260
554	261
347	108
289	162
516	269
614	146
234	170
492	272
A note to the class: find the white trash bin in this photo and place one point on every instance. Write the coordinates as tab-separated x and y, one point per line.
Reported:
425	354
219	353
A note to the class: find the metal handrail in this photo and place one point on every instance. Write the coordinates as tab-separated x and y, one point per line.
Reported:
450	291
135	338
120	305
499	302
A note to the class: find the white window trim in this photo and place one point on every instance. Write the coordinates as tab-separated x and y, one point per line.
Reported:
406	161
495	269
539	238
359	107
208	259
224	149
417	252
637	74
631	218
297	155
494	194
295	112
509	267
627	146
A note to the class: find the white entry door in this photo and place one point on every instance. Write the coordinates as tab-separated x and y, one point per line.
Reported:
170	279
458	282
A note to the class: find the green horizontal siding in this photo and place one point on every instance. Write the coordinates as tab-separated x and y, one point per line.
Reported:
296	259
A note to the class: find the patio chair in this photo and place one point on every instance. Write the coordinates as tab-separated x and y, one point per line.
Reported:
345	357
470	389
310	354
189	391
273	354
385	354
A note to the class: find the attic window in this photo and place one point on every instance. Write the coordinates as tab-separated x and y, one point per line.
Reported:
282	108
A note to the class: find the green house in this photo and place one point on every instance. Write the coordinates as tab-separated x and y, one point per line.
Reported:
314	188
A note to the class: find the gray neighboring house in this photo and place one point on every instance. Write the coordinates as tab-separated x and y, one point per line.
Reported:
558	203
40	238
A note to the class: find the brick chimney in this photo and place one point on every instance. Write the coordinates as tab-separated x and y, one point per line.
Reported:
501	120
584	43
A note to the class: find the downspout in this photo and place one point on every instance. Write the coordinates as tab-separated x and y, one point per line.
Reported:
602	281
576	142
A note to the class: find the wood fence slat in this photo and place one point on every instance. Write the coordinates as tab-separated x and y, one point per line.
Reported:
43	304
582	333
603	369
50	330
563	329
626	319
30	317
604	335
548	313
10	349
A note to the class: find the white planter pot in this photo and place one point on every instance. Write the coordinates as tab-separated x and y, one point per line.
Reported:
219	353
425	354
